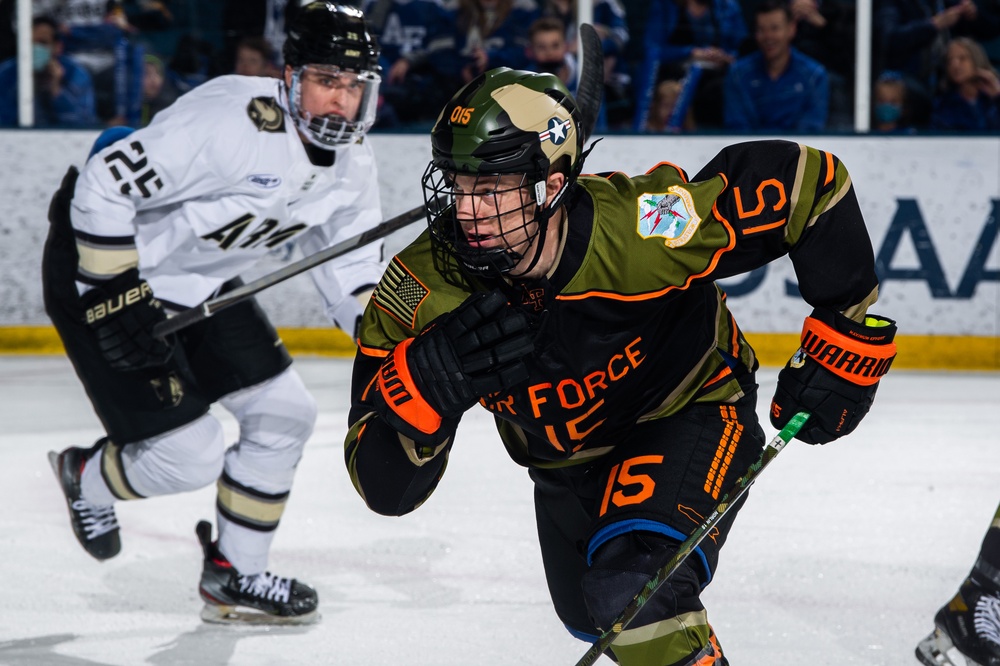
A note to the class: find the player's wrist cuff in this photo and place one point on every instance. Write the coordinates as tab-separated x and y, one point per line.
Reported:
399	393
858	353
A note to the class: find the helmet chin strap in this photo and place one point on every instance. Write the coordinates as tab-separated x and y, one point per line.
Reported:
542	216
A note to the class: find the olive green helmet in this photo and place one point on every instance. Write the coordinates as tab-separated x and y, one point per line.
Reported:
503	122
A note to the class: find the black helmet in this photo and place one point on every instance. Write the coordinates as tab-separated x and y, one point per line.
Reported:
333	40
503	122
326	33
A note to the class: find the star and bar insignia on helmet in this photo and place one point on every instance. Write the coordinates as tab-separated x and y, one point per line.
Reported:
556	133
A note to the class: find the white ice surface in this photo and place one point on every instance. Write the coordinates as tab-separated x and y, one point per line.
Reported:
841	557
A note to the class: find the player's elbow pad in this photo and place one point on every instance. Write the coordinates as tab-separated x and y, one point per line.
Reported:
834	374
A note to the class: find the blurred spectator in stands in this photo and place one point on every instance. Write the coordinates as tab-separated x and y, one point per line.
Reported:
255	17
825	31
890	111
418	58
157	27
255	57
912	36
608	21
158	92
193	63
970	90
64	91
493	33
97	34
548	50
681	34
669	112
777	87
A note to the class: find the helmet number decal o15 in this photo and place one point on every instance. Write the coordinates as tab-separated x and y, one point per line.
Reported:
461	115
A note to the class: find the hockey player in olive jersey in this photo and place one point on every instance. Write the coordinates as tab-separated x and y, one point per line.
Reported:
171	215
582	312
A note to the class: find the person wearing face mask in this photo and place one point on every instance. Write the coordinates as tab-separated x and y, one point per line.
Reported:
64	91
548	51
889	109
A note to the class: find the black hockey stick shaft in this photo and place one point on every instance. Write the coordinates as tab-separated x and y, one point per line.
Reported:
210	307
772	449
590	90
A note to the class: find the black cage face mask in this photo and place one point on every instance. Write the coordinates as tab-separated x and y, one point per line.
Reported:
487	222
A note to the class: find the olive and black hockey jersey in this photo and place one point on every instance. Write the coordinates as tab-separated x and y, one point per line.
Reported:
630	323
216	181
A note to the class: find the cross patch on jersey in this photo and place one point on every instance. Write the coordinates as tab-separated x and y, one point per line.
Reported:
400	294
670	215
266	114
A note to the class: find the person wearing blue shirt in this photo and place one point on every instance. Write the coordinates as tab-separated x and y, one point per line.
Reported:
777	87
970	99
64	91
697	38
417	38
493	33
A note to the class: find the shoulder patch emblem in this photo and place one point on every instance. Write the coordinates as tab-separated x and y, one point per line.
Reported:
400	294
670	215
266	114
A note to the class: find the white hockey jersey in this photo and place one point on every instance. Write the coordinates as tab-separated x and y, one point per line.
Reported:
214	183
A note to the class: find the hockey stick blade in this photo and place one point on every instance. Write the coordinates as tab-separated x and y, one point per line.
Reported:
772	449
210	307
590	91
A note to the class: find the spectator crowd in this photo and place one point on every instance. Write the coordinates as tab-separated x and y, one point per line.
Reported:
780	66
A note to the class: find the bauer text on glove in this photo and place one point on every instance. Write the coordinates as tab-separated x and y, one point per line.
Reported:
122	312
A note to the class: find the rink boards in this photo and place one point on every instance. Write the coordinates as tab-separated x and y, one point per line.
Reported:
932	205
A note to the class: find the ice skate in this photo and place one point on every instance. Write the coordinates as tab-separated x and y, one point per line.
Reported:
967	630
231	598
95	526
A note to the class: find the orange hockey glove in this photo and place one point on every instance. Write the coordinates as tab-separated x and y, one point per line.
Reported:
834	374
429	381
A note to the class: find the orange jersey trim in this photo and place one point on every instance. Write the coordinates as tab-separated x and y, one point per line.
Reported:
660	292
829	168
374	352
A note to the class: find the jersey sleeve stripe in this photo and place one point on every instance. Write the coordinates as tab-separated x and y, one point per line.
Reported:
103	263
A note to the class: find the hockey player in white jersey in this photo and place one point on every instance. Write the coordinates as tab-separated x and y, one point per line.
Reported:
169	216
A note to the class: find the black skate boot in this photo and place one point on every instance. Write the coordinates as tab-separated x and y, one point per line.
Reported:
261	599
96	527
967	630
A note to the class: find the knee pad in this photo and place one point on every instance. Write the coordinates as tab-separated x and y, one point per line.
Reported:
184	459
623	565
276	419
279	413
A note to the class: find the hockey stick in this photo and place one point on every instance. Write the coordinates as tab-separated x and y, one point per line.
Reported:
590	90
210	307
687	547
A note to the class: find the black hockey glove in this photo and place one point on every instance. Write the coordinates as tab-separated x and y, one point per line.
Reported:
475	350
834	374
122	313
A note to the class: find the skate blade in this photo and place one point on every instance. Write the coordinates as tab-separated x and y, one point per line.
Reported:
938	650
54	461
218	614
